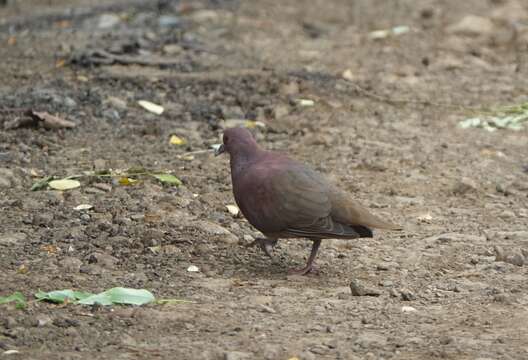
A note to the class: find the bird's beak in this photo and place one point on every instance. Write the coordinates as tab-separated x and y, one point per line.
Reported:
219	150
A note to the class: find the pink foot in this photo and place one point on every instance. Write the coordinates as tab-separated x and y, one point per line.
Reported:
304	271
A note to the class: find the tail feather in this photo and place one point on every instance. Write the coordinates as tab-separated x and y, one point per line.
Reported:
348	211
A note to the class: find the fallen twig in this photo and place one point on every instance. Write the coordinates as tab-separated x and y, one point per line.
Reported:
103	57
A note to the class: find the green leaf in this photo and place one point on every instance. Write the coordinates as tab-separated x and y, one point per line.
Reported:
61	296
17	297
41	184
102	172
168	179
136	170
120	295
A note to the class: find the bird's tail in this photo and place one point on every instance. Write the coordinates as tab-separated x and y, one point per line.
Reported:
348	211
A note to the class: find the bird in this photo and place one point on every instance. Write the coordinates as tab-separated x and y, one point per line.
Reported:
284	198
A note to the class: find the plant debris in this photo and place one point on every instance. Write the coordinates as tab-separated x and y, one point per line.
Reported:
151	107
17	297
512	118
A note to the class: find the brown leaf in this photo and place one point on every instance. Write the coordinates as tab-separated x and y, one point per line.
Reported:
52	122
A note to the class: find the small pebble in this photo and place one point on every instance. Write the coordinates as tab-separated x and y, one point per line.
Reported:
359	289
408	309
407	295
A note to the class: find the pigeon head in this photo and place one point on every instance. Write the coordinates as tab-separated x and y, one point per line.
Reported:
238	143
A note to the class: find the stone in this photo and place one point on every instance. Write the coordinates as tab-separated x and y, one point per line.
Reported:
43	320
172	49
266	309
111	114
71	264
359	289
280	111
116	103
169	21
100	164
516	259
271	352
408	309
290	89
500	255
510	12
43	219
211	228
103	260
472	25
108	21
407	295
7	178
463	186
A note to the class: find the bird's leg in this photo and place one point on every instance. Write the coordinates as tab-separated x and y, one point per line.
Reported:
309	265
265	244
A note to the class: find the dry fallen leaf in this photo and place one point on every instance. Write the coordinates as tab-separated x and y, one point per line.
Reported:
250	124
64	184
52	122
63	24
83	207
125	181
50	249
23	269
305	102
176	140
151	107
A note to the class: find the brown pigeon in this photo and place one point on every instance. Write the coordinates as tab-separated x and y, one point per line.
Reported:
283	198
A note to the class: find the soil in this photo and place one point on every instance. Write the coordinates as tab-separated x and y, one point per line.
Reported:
383	124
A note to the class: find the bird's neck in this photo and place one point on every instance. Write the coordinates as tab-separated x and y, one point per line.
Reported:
240	161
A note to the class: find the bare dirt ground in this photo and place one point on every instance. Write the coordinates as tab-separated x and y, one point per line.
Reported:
453	285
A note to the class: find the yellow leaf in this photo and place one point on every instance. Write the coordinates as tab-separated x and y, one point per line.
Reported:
11	40
23	269
250	124
176	140
60	63
126	181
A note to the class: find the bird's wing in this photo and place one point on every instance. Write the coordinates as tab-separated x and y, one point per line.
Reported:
298	200
278	195
300	197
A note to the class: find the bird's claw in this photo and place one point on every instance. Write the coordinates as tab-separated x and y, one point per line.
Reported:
303	271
